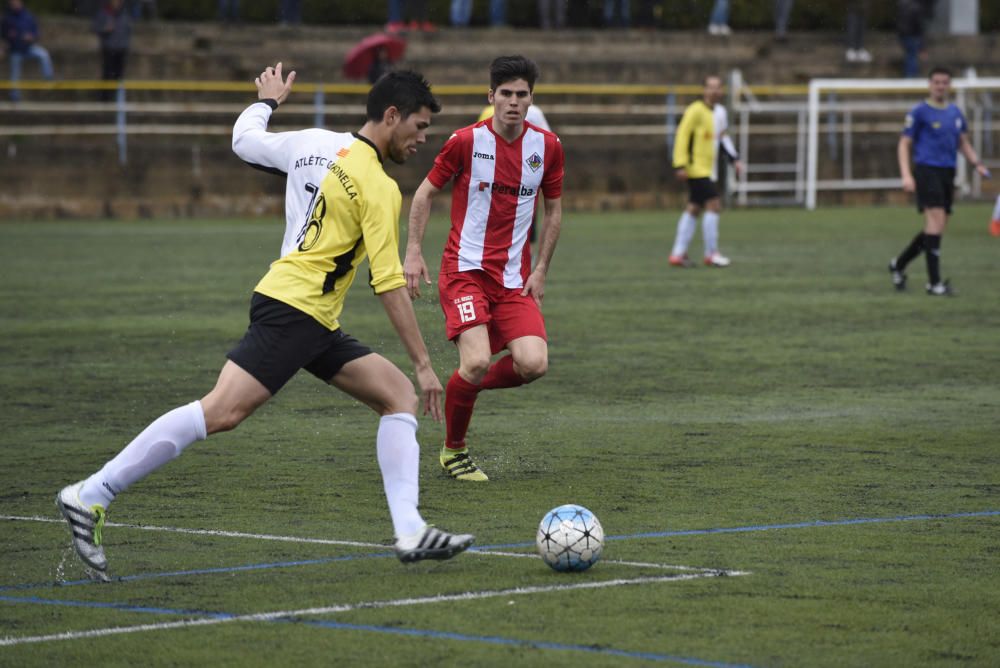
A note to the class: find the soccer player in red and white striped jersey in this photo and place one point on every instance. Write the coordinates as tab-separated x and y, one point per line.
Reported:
490	294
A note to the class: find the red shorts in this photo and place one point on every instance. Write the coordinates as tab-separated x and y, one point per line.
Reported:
471	298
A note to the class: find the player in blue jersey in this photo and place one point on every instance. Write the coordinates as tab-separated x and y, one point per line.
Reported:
934	133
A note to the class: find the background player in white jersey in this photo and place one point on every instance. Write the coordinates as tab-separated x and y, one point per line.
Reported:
490	294
536	117
726	150
341	206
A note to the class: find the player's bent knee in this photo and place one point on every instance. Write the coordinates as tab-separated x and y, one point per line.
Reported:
404	402
475	369
398	396
219	420
532	368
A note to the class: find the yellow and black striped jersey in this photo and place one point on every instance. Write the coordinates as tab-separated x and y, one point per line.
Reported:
694	143
341	207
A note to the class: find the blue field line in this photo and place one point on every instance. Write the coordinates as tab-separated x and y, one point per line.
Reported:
125	607
508	546
770	527
513	642
391	630
200	571
806	525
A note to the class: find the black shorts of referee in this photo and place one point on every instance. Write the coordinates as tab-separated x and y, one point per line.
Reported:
701	191
935	187
282	339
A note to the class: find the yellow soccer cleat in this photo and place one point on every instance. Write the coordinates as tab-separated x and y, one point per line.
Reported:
460	466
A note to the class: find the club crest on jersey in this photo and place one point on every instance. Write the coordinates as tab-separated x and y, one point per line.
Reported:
534	162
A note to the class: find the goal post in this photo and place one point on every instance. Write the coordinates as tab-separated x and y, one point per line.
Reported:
887	94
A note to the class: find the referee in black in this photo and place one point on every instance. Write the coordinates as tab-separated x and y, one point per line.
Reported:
934	132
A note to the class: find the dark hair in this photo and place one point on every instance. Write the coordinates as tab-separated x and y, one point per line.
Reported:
406	90
939	70
509	68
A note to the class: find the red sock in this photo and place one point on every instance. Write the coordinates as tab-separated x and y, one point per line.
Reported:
459	399
501	374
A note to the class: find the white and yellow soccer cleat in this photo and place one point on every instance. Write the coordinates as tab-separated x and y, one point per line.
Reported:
85	524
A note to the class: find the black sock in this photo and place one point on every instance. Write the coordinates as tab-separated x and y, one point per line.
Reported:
910	252
932	246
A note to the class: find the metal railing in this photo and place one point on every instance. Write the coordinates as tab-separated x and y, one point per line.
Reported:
783	123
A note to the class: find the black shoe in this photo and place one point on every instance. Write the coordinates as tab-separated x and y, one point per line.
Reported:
942	289
432	543
898	277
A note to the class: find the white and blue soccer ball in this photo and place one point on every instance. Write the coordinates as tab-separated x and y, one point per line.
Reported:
570	538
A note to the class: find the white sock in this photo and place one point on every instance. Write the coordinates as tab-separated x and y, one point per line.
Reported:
159	443
685	230
399	459
710	232
996	209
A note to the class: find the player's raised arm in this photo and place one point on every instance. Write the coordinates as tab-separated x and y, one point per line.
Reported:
414	267
251	140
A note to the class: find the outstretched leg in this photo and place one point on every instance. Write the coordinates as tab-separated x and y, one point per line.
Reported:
235	396
379	384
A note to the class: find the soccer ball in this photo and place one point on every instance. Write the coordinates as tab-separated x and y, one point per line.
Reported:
570	538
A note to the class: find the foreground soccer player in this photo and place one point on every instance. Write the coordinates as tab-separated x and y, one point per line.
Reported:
490	295
340	207
934	131
694	161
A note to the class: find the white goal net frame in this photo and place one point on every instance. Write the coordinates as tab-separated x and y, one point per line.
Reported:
845	96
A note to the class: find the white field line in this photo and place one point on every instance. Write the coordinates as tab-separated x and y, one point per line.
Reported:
323	541
348	607
210	532
619	562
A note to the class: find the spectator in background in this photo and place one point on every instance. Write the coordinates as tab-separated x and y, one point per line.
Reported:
911	18
413	10
718	22
461	13
857	17
290	12
647	14
498	13
619	18
20	32
552	14
229	11
380	65
143	9
782	14
113	26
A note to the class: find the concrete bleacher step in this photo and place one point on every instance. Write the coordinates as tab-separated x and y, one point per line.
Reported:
213	51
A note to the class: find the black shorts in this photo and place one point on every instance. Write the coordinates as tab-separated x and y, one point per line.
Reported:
935	187
281	340
701	190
